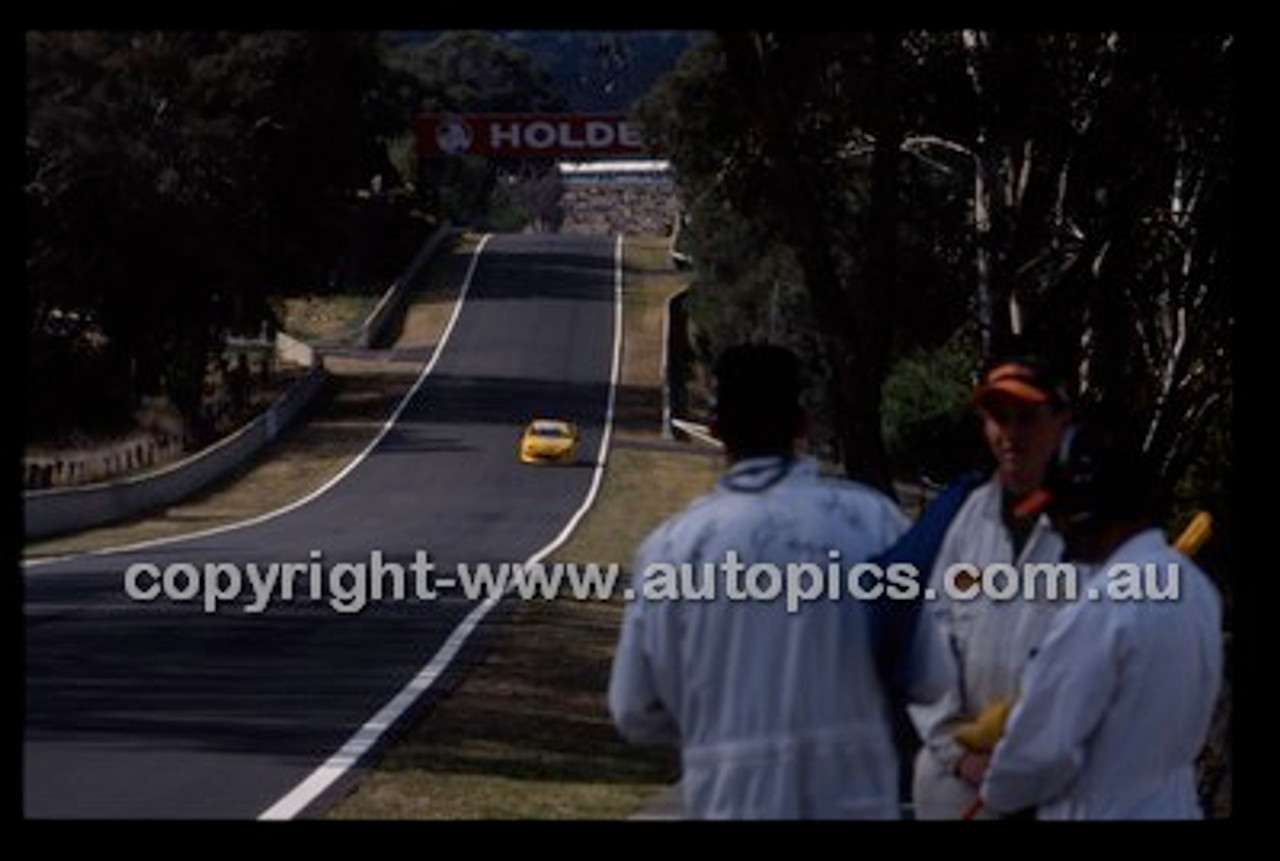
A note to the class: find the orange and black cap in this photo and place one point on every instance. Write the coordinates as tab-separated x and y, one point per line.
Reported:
1026	379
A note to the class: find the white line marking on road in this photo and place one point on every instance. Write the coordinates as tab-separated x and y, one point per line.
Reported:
607	434
337	765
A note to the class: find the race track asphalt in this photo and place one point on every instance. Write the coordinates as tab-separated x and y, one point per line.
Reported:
146	709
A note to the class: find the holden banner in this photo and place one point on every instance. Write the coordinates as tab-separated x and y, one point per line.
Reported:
524	135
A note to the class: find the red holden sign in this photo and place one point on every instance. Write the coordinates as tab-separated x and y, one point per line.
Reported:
556	135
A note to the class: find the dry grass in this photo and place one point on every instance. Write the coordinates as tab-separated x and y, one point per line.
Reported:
527	734
328	319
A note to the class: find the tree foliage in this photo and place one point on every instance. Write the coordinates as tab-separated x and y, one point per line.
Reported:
471	71
1068	192
1100	213
173	179
476	71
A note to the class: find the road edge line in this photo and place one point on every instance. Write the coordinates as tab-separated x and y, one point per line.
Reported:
370	733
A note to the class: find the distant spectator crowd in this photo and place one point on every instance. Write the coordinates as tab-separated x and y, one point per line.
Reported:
607	209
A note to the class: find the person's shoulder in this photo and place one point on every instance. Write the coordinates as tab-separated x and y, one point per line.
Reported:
969	498
693	518
1146	547
1148	566
833	482
843	488
877	499
976	486
850	495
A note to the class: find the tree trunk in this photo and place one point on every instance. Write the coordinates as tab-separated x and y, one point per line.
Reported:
853	317
871	335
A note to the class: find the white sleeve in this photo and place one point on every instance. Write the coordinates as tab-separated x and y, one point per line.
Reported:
1066	688
933	672
635	702
936	718
935	722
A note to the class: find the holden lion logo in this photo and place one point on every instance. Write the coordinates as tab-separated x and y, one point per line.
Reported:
453	136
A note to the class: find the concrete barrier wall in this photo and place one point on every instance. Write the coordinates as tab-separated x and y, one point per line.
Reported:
56	511
376	324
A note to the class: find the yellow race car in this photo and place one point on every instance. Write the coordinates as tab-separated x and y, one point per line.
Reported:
549	441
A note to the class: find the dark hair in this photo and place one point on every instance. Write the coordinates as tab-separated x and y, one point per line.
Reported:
1102	474
757	407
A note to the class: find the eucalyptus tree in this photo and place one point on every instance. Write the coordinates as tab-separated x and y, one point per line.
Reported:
1064	190
174	179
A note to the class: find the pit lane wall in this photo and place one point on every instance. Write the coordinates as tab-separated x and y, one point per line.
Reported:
60	510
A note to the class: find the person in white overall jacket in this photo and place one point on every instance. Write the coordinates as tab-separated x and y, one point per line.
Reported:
1024	406
1116	705
775	704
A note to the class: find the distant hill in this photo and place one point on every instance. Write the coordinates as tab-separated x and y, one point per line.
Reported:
598	71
